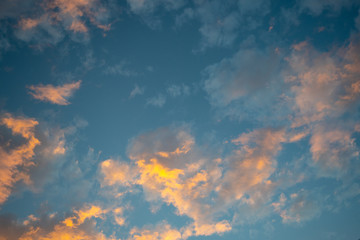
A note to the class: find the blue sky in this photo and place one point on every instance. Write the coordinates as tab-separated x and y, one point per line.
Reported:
179	119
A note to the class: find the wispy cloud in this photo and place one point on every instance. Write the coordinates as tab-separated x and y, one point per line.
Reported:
137	91
120	69
157	101
54	94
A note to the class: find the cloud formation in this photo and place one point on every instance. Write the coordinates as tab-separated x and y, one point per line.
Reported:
54	94
81	225
13	158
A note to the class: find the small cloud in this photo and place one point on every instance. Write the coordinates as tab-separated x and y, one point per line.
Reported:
150	68
54	94
137	91
176	90
157	101
120	69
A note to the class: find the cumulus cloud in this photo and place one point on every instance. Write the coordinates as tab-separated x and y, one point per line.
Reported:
169	169
251	166
323	84
54	94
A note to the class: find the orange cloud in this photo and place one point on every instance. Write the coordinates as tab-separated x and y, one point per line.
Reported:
332	149
20	156
251	166
162	231
18	150
323	84
55	94
164	171
78	227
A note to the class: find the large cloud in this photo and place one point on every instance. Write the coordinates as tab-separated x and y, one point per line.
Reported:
28	149
169	168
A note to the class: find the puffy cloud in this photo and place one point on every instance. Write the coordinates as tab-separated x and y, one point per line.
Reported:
55	94
323	84
169	169
251	166
116	172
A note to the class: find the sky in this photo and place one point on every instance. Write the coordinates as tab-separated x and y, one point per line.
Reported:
179	119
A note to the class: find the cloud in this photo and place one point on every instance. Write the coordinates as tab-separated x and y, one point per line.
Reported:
31	151
333	149
120	69
157	101
323	85
178	90
53	19
162	231
167	166
299	207
319	6
147	8
80	225
245	85
17	156
54	94
137	91
251	166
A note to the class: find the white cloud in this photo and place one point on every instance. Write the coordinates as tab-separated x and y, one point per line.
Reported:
157	101
137	91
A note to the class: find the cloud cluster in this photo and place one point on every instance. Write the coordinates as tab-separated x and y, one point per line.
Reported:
167	166
29	150
81	225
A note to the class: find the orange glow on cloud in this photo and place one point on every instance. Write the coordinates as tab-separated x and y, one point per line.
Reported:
55	94
20	156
